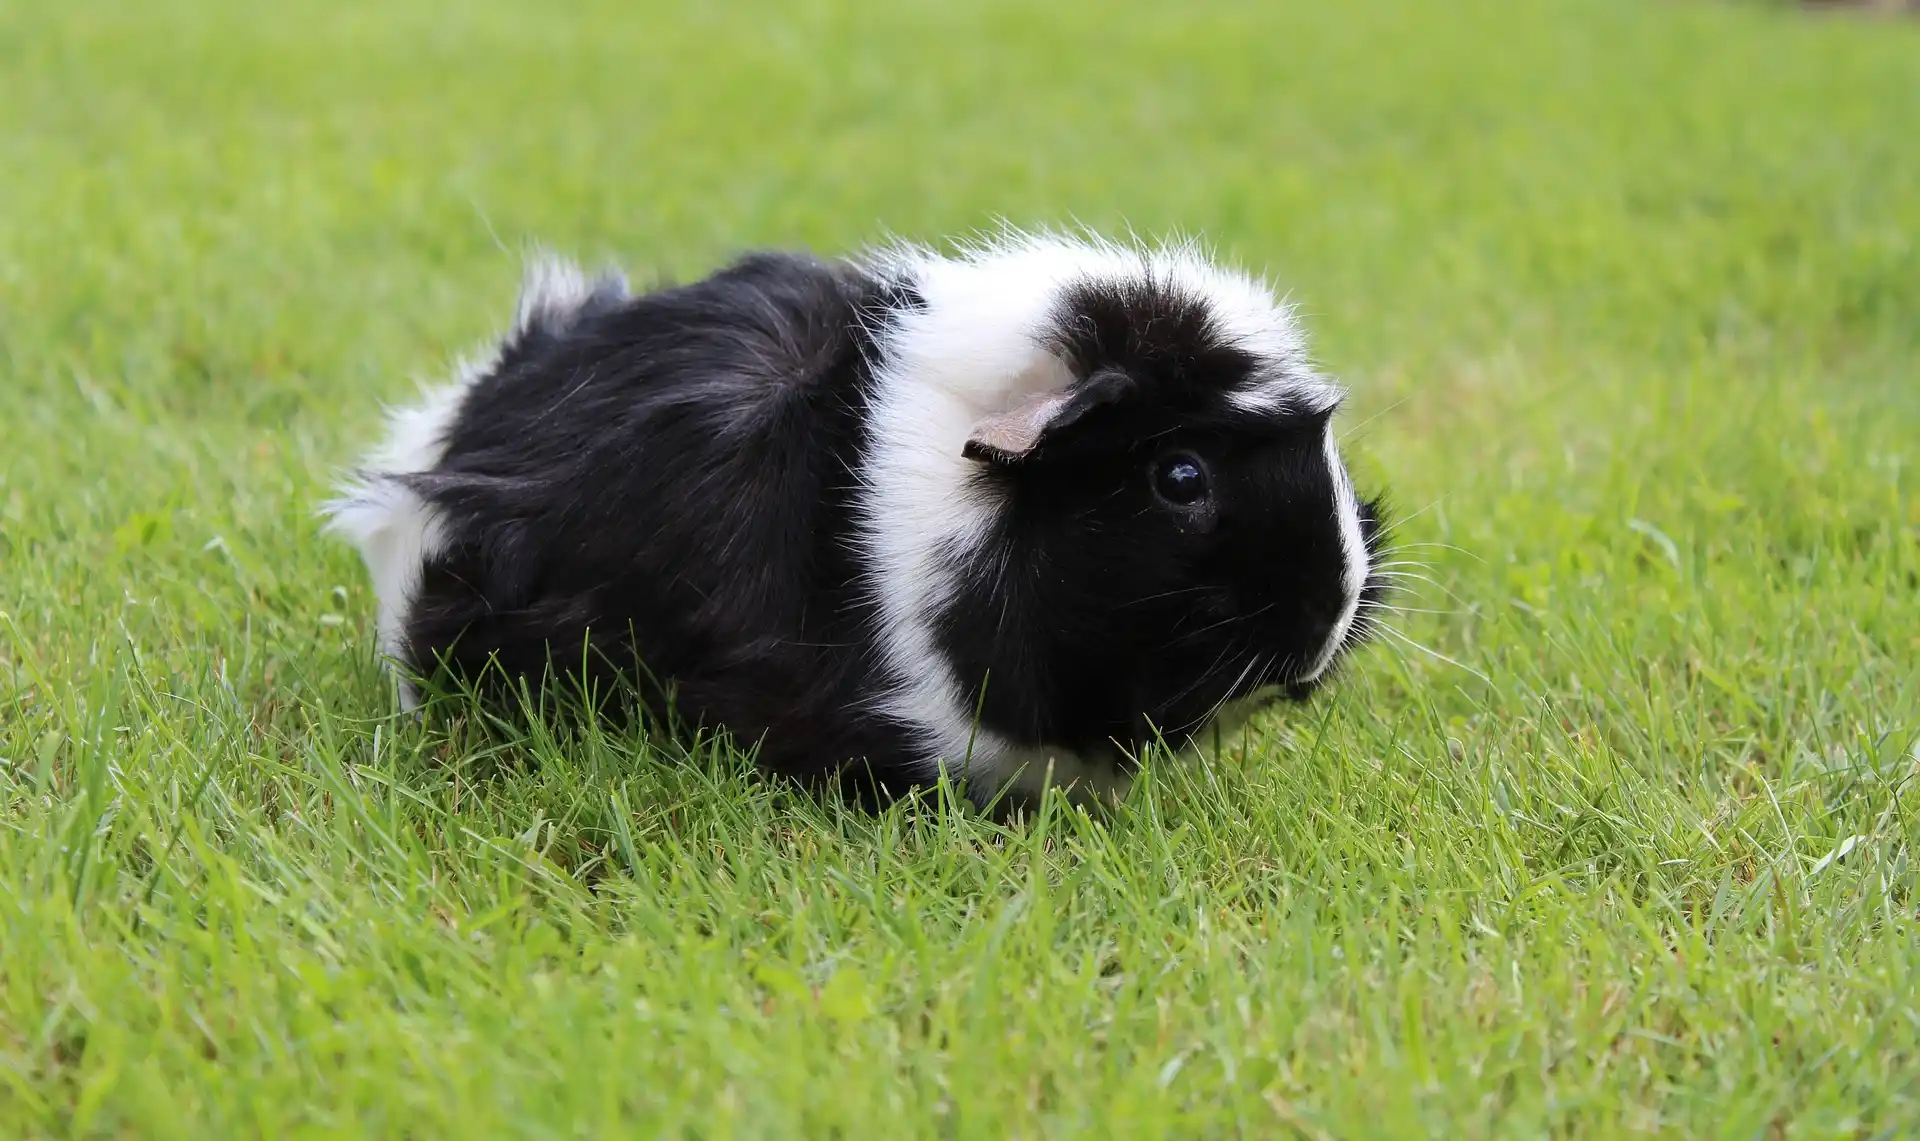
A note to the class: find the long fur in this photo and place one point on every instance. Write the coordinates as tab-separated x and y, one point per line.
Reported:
755	489
397	530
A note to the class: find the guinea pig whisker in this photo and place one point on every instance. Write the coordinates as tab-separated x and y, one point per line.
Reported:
1404	520
1433	653
1400	580
1227	695
1401	571
1163	595
1251	669
1438	547
1355	430
1388	608
1202	677
1402	574
1406	576
1227	621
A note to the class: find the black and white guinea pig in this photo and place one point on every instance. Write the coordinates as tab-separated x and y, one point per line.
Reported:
1017	510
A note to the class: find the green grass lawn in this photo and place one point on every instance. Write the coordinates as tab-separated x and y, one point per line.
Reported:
1629	297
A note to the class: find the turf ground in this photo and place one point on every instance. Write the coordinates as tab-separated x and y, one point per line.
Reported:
1629	297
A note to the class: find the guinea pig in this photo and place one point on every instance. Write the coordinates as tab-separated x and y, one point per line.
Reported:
1011	513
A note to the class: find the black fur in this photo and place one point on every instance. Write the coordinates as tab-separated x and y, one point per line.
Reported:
673	476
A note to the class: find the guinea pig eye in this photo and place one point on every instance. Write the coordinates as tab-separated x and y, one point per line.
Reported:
1180	479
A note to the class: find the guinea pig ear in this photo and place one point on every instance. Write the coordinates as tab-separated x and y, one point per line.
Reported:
1011	436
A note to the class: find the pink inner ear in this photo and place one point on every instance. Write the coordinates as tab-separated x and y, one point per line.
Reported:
1016	431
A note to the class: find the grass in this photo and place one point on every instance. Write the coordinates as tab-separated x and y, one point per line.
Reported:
1627	296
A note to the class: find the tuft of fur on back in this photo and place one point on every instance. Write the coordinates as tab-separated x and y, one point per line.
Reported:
555	293
394	529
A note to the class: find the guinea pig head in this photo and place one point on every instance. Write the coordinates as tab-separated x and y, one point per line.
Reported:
1177	529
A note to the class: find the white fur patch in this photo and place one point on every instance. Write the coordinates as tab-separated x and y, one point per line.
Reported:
973	351
395	530
1353	548
976	349
553	291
